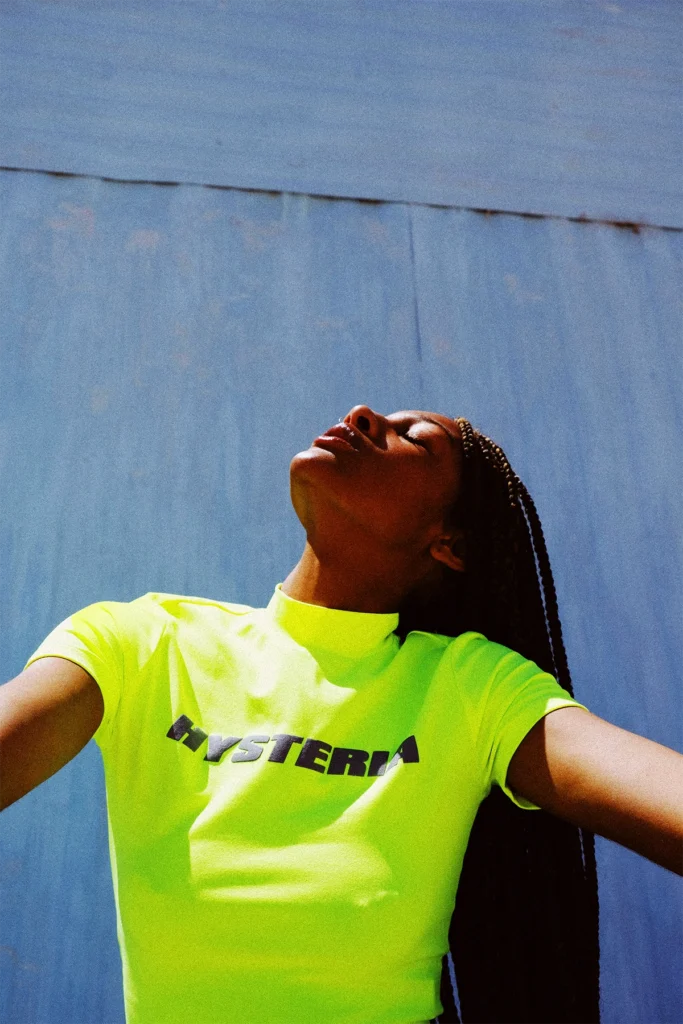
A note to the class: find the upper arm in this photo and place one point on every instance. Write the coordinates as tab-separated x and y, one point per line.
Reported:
47	715
606	779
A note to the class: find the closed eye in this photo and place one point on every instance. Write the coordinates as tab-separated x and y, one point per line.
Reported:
415	440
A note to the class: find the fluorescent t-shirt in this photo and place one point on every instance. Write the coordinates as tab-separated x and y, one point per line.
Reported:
290	793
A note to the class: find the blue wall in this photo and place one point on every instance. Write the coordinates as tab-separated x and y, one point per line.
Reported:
551	106
165	350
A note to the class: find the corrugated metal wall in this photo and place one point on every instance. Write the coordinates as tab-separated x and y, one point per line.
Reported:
164	351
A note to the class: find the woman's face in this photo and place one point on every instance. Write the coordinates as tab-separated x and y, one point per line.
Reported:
390	478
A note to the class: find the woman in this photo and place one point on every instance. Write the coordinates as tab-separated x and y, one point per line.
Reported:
291	790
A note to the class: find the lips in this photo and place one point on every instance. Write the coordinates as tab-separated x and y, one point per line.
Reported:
340	436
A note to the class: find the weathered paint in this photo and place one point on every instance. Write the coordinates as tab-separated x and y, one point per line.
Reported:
569	108
163	354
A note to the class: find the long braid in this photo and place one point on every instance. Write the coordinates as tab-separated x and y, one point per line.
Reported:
563	676
549	594
524	934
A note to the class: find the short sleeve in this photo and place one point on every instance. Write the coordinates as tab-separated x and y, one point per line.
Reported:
507	695
90	638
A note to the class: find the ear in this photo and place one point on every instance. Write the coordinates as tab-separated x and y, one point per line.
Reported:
450	549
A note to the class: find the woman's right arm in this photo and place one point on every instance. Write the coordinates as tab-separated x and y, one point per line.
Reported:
47	715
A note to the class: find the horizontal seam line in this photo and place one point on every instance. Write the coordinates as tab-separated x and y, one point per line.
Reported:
487	211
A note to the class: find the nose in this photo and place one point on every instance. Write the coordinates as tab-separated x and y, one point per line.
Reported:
365	419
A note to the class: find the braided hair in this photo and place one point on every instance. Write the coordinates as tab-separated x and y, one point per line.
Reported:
524	935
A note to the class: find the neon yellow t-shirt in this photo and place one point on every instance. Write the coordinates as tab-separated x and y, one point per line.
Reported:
290	794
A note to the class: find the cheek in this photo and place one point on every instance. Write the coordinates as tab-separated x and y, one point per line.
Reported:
404	509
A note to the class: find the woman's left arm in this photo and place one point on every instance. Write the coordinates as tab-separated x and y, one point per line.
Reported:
603	778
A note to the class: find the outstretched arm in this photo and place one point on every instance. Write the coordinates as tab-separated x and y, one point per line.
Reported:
606	779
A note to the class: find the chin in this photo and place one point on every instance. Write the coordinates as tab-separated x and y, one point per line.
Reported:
309	458
313	477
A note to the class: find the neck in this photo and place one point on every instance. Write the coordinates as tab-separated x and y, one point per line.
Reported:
369	585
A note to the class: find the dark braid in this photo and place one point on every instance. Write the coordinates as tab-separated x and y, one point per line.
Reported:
524	934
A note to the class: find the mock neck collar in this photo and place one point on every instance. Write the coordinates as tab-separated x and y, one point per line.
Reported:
350	634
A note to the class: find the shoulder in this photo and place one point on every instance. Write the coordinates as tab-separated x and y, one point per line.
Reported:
151	614
462	650
179	605
501	679
157	611
474	652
